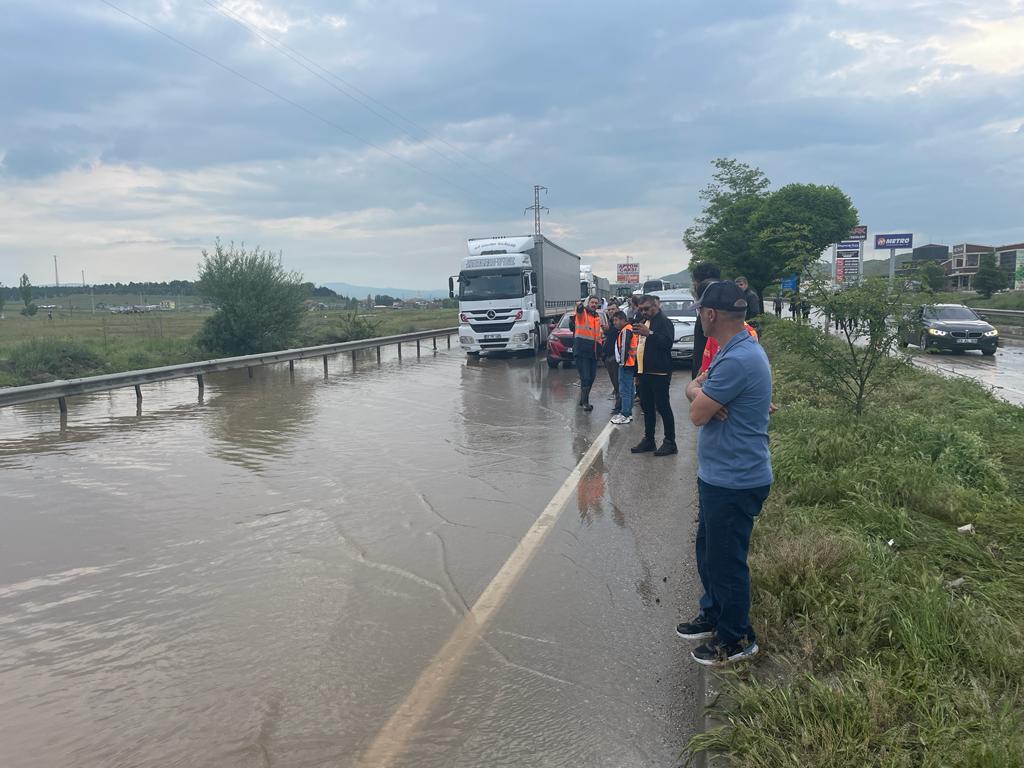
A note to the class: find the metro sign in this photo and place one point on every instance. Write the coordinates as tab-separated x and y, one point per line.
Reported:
894	241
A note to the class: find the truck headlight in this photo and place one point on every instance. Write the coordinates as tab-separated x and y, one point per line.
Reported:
936	332
519	337
993	332
465	339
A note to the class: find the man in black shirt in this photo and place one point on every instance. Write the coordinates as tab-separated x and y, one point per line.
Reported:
702	274
654	366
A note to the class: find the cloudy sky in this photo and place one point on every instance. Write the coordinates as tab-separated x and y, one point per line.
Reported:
368	140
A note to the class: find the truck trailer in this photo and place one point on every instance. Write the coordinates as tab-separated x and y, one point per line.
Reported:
509	289
592	285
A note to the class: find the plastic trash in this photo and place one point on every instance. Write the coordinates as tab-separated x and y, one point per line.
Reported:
969	528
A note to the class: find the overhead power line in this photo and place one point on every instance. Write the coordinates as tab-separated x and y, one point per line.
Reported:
277	95
363	97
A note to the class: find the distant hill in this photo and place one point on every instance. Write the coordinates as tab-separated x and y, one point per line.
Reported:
679	278
362	291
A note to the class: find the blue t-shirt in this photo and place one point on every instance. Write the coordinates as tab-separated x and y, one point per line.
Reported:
734	453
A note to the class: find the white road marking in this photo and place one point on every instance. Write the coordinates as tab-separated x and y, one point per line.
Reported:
392	739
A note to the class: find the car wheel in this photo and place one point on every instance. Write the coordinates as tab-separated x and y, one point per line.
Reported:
922	343
988	352
552	363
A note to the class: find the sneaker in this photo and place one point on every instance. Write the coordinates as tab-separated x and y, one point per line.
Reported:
714	654
698	629
625	419
612	396
616	417
668	447
644	446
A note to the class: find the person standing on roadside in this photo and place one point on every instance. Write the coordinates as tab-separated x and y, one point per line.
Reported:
633	313
610	363
702	274
778	307
754	305
586	326
654	366
730	403
626	343
792	307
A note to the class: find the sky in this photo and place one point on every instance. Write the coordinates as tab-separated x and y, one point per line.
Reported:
366	141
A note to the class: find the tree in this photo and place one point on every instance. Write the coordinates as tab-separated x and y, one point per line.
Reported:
383	298
745	229
3	300
25	290
723	234
934	276
873	323
259	303
989	278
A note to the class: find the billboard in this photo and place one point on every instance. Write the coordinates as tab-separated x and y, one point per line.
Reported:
894	241
627	273
860	232
848	245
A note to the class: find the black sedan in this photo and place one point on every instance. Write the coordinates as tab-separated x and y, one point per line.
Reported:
952	327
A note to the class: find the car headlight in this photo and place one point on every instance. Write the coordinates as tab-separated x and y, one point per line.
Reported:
687	338
936	332
993	332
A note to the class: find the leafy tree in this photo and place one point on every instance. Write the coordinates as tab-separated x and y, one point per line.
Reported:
383	298
25	290
3	299
989	278
873	322
724	233
934	276
259	303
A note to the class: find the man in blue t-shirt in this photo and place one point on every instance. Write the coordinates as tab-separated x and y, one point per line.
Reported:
730	403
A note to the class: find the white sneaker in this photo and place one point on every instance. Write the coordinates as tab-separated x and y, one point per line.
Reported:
618	418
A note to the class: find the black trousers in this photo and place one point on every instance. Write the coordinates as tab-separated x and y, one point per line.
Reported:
654	398
613	373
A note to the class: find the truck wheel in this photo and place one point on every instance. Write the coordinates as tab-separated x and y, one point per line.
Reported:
538	347
552	363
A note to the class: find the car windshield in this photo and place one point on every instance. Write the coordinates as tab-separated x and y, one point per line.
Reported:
683	327
564	322
490	285
681	308
949	313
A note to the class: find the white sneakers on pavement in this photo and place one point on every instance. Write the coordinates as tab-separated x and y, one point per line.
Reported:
618	418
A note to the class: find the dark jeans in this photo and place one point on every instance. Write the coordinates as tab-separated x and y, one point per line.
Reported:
613	373
587	367
654	397
724	524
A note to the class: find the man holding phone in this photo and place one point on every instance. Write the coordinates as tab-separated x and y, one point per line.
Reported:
654	366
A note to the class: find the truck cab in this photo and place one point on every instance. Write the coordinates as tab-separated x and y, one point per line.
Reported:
497	293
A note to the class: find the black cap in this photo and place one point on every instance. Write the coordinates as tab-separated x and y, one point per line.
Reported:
724	295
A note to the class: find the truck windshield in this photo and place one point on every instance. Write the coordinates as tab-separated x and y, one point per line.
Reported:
490	285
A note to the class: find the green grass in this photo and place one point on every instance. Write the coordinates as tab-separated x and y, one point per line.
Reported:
875	654
37	349
1007	300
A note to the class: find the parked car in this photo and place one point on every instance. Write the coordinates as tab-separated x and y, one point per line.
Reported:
952	327
560	342
678	306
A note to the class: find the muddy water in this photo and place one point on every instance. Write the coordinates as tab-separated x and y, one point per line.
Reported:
258	577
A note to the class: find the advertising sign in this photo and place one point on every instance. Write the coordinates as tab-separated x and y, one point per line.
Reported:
848	245
959	250
860	232
788	283
894	241
628	273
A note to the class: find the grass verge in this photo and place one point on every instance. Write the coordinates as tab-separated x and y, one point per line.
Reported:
38	349
879	654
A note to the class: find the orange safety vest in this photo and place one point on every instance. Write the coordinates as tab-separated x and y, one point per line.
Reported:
588	326
627	358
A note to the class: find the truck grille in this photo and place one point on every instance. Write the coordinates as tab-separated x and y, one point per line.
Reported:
492	327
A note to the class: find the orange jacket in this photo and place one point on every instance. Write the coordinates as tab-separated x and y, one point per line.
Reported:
628	357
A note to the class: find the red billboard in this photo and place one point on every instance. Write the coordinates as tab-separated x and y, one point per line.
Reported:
627	273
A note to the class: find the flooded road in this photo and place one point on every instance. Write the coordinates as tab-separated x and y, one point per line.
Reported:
1002	373
265	576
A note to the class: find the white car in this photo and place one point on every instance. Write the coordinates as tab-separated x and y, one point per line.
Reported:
682	347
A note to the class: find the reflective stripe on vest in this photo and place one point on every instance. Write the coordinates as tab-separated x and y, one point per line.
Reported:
589	328
628	359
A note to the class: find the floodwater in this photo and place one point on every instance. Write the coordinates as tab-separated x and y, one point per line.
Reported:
1002	373
260	577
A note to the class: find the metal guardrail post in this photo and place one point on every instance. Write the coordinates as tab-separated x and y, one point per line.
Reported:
378	354
417	349
202	385
399	351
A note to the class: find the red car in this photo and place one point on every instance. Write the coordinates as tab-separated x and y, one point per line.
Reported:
560	342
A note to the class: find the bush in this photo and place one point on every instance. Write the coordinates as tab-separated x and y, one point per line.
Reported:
48	359
259	303
30	310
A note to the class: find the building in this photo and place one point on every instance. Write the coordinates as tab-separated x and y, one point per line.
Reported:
923	254
962	265
1011	258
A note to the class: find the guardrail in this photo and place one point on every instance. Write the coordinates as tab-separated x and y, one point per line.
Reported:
61	390
997	313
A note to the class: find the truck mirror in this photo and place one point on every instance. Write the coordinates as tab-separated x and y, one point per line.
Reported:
451	288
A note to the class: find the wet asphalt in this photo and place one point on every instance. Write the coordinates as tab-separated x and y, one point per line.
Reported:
261	576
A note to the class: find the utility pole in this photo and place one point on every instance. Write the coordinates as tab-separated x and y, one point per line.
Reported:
56	277
537	207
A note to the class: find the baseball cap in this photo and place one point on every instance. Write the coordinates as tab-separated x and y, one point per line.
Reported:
724	295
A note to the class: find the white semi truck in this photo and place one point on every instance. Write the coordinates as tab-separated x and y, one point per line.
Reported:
592	285
510	289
